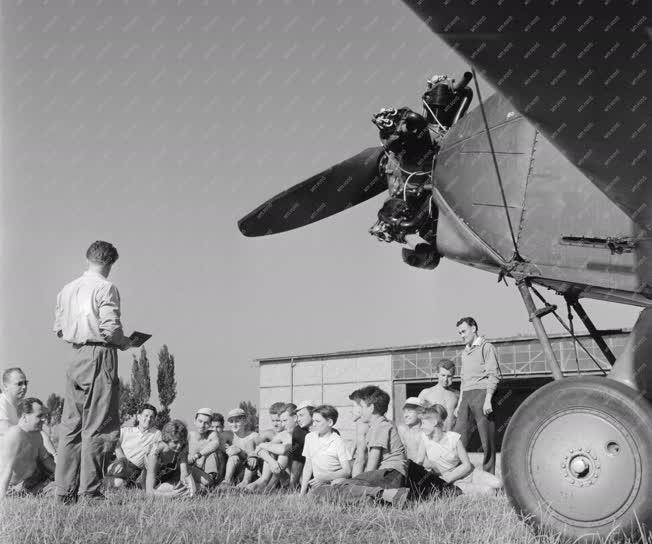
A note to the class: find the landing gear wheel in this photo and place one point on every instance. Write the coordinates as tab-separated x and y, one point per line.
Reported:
577	458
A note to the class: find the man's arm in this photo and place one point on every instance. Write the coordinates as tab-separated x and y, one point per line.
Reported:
58	317
110	325
344	472
306	476
451	405
374	458
491	367
8	455
463	469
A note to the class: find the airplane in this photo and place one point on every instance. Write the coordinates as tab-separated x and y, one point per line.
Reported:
546	183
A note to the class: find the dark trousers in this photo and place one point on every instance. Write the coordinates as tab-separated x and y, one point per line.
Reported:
90	421
367	484
470	418
424	483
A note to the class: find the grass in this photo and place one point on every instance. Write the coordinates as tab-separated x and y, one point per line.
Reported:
130	518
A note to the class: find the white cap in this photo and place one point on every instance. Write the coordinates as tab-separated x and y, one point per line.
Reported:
413	401
305	404
205	411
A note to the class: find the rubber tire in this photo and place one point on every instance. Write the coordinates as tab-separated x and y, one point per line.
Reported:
625	404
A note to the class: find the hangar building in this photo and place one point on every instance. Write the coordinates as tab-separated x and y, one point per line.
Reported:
329	378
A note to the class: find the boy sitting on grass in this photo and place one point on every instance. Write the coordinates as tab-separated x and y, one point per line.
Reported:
168	474
443	453
239	444
275	453
385	471
327	457
203	444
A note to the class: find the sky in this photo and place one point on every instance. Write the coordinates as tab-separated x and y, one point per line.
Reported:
156	125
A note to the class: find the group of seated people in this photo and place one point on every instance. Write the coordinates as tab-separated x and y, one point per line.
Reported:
303	451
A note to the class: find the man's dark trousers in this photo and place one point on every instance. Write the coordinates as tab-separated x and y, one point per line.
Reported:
90	421
471	417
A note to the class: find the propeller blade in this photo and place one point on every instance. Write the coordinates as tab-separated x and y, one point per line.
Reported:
343	185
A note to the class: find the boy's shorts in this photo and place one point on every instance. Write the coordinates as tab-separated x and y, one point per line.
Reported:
124	469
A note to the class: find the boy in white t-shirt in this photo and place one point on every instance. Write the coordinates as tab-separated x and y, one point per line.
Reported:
327	457
443	453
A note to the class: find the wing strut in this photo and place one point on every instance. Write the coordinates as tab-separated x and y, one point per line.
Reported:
517	255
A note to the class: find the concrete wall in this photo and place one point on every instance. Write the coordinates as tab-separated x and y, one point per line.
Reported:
328	381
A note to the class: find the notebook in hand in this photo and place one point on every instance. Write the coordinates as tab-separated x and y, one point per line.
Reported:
138	339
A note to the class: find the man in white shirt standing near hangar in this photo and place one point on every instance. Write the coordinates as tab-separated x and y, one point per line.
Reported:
88	317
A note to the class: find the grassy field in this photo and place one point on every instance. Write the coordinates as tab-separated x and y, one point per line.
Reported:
129	518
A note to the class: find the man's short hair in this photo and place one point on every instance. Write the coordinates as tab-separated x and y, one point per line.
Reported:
436	410
277	408
469	321
26	406
148	407
9	371
447	364
373	395
291	409
327	412
175	431
100	252
219	418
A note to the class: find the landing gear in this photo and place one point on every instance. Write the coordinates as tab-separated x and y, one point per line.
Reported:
577	454
577	458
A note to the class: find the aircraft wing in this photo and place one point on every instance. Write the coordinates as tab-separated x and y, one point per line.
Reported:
576	69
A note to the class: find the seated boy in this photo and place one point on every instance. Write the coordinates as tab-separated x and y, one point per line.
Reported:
361	428
203	444
443	453
168	474
327	457
239	444
26	467
131	450
385	471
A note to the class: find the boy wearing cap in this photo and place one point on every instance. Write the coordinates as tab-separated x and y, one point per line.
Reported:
239	445
203	444
385	472
442	393
304	413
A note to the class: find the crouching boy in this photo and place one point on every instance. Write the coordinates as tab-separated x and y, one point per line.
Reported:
168	474
327	457
385	470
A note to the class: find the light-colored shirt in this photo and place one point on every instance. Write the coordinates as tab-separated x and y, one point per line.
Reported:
327	453
480	368
8	414
137	444
88	310
384	435
443	453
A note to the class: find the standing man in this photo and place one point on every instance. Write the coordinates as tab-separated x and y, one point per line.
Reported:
480	376
442	393
88	318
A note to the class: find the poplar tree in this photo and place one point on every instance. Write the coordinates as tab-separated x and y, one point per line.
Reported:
166	384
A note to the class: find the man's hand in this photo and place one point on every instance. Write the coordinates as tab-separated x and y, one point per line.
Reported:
486	408
192	459
315	483
275	467
233	450
446	477
126	344
252	462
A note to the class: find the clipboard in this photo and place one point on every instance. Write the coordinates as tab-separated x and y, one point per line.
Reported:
138	339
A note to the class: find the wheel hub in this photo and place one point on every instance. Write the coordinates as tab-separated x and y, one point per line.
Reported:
584	465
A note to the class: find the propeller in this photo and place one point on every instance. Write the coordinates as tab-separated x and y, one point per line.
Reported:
343	185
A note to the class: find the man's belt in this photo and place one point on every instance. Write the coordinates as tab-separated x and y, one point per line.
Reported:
101	344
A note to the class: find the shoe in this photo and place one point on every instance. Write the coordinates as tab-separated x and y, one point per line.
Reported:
66	499
93	497
396	497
